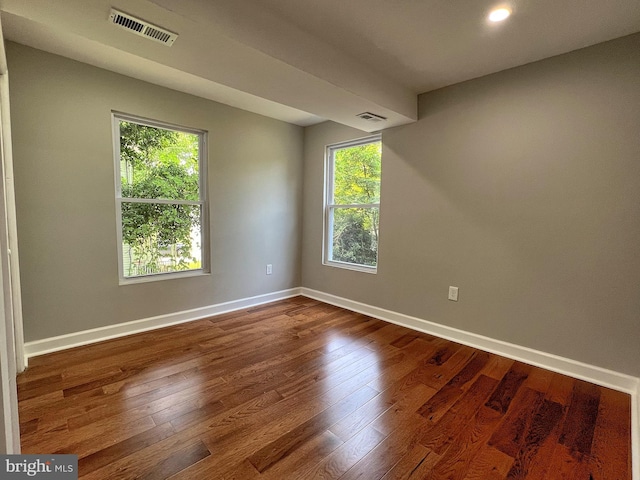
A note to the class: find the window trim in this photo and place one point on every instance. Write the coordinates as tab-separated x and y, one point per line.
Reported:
328	205
203	202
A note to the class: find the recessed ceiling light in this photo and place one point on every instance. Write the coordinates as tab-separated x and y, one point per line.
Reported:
499	14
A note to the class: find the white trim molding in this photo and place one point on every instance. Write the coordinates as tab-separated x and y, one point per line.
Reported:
566	366
590	373
85	337
555	363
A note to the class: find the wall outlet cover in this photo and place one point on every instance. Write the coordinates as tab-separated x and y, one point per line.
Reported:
453	294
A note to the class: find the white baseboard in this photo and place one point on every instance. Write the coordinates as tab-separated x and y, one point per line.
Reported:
572	368
583	371
555	363
597	375
76	339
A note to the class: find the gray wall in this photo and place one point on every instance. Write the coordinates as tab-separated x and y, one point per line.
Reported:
523	189
64	174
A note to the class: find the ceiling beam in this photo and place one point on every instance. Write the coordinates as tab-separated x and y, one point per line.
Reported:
229	51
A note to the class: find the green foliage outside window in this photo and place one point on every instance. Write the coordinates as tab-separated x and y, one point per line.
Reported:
356	182
156	163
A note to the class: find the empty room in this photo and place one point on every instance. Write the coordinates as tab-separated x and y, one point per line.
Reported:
296	239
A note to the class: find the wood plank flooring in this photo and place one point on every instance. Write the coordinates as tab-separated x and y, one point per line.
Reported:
299	389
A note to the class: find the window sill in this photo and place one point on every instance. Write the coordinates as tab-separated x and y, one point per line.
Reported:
162	276
351	266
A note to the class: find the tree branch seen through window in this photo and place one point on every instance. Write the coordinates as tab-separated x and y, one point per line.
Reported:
353	204
161	203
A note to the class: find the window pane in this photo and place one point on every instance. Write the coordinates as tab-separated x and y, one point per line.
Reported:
356	173
160	238
158	163
355	235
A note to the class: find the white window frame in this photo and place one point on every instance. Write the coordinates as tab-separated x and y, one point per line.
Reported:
329	205
202	202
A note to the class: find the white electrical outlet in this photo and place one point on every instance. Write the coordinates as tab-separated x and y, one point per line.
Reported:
269	269
453	294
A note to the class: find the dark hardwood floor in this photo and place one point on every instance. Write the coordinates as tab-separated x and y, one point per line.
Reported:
301	389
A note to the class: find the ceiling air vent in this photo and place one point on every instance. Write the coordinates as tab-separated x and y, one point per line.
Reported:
142	28
371	117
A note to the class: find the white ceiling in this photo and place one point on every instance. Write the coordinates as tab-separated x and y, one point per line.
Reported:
428	44
303	61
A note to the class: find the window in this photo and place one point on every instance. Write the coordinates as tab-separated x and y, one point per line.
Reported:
352	207
160	199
